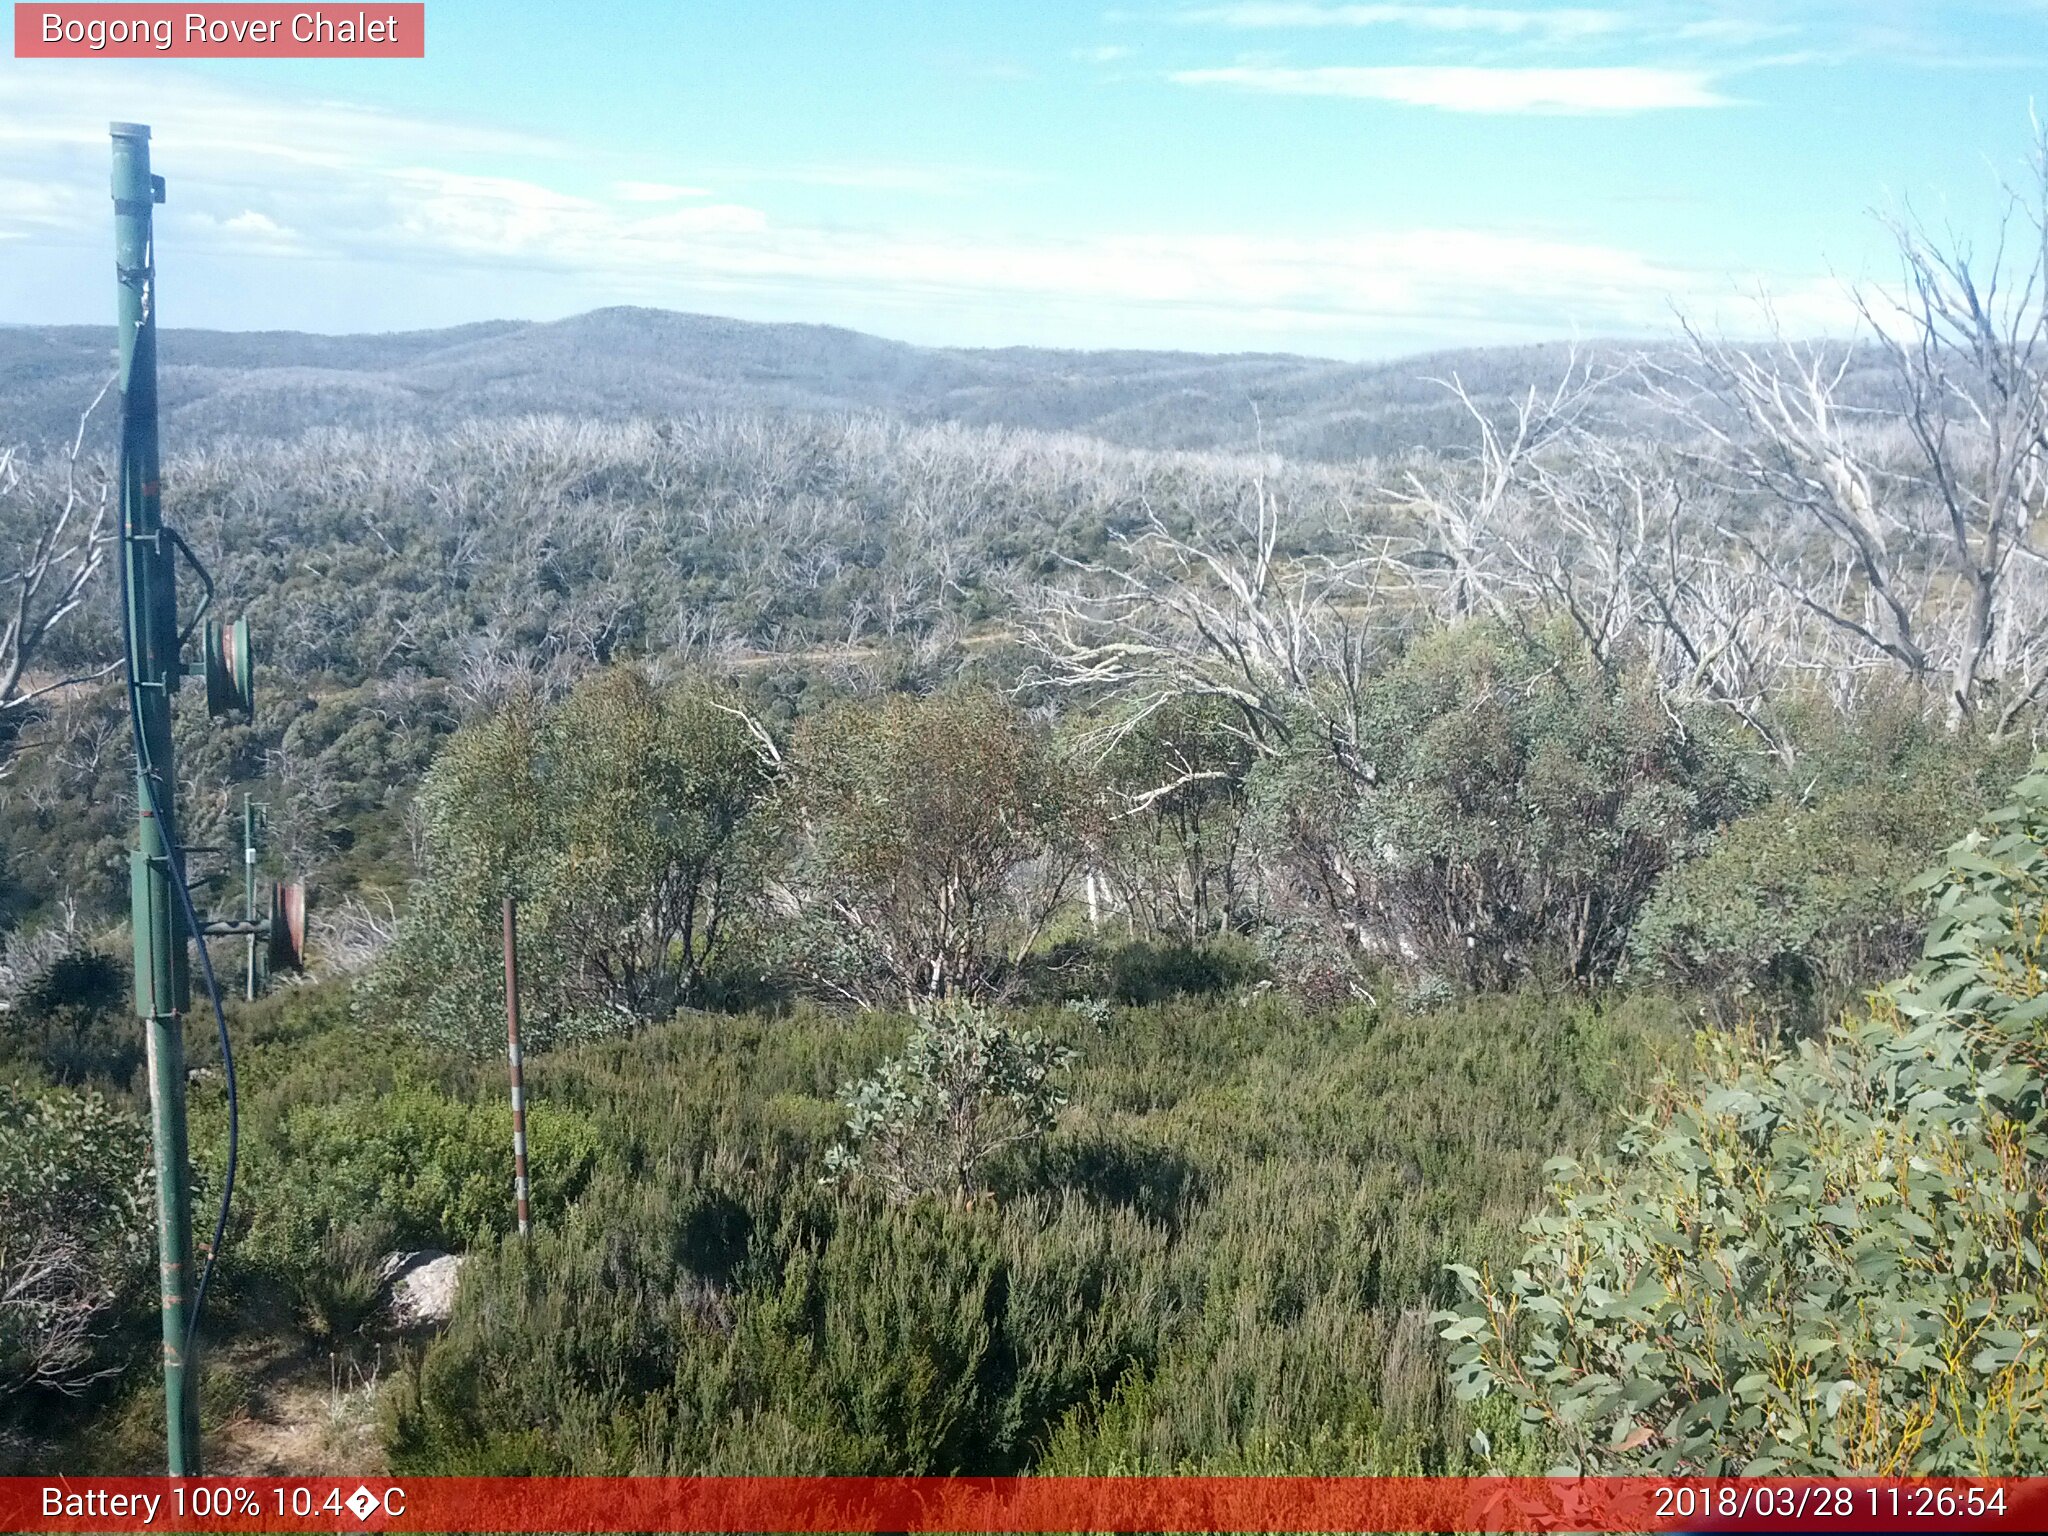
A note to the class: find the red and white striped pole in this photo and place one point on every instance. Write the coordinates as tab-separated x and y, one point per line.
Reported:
519	1186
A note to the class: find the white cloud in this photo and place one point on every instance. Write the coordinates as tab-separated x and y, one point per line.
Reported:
249	222
506	218
47	202
1274	14
246	233
1472	88
922	180
1359	283
656	191
1734	31
244	227
53	105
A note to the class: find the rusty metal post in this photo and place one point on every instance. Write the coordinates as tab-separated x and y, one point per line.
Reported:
519	1185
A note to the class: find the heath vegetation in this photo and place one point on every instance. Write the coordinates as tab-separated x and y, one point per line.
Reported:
1092	953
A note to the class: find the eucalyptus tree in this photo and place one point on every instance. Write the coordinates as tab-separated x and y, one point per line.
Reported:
934	843
628	822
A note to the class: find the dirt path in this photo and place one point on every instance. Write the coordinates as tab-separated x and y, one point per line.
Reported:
304	1417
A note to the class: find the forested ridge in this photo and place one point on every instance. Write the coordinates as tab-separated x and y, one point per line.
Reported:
622	364
1079	913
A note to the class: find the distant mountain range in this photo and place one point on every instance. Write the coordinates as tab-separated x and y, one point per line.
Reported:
639	362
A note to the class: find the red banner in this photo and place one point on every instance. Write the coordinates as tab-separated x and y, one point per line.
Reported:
372	31
967	1504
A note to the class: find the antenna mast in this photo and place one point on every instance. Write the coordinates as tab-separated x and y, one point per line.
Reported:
161	911
162	985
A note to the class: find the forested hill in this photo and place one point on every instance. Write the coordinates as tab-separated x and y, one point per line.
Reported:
642	362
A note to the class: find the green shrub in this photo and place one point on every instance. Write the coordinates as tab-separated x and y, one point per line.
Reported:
848	1340
75	1237
1244	1213
336	1290
1166	851
1152	972
625	820
438	1169
65	1012
1824	1261
967	1086
356	1143
1522	801
934	848
1795	908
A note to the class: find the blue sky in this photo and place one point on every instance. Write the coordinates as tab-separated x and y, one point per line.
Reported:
1351	180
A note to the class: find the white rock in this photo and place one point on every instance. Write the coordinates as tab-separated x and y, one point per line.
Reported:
421	1287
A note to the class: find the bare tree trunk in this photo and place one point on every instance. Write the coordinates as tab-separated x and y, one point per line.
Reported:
54	538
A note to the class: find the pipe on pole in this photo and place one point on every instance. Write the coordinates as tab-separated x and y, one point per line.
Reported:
519	1186
162	987
249	896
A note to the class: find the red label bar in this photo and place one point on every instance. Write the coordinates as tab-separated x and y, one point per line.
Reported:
361	31
1849	1506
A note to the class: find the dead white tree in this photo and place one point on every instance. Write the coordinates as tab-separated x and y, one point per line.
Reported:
55	534
1970	349
53	1308
1227	615
1473	515
1907	519
354	934
1775	432
1553	515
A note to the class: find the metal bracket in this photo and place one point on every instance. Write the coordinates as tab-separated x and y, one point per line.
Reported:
236	927
205	580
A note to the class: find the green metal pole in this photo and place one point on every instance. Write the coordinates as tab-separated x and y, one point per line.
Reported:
162	990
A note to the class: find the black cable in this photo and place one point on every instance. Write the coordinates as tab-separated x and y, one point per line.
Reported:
149	780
